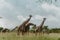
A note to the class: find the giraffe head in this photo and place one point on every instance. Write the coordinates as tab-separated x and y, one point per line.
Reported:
44	18
30	15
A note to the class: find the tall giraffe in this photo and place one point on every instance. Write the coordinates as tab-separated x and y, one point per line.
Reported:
39	28
22	26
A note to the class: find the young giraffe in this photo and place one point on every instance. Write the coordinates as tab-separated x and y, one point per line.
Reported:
40	27
22	26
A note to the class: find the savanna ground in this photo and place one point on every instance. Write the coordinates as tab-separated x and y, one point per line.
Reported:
14	36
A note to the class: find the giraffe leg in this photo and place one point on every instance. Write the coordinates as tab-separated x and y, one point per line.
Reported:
39	33
28	32
22	32
35	33
18	33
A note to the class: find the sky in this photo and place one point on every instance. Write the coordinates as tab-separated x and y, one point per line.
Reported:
14	12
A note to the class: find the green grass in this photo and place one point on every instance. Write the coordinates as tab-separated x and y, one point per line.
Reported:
14	36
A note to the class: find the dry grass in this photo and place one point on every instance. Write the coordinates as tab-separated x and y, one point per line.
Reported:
14	36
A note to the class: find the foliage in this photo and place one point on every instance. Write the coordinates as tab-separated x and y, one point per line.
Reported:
1	28
33	28
55	30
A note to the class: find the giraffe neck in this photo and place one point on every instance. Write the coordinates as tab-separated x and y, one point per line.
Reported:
27	21
40	26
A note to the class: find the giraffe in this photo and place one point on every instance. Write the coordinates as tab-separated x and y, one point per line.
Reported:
40	27
22	26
